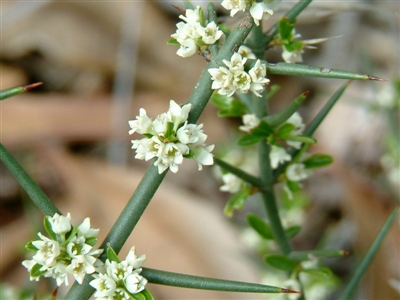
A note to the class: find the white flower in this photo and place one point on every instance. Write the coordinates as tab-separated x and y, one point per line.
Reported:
148	148
59	273
191	134
86	230
191	16
192	36
232	183
250	121
236	63
278	155
61	257
258	9
292	57
171	141
171	157
234	6
222	78
79	267
258	80
210	34
188	48
135	283
297	121
236	79
299	126
134	260
178	114
245	51
29	264
48	251
241	82
297	172
104	285
60	224
203	156
142	124
120	279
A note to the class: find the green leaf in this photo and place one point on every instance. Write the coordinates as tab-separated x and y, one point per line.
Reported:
285	28
263	130
249	140
317	161
291	232
272	90
35	271
294	46
301	138
71	234
237	201
173	42
321	272
285	130
293	186
204	283
228	106
281	117
49	229
261	227
280	262
366	261
31	188
91	241
202	18
111	255
138	296
147	295
305	70
29	246
314	254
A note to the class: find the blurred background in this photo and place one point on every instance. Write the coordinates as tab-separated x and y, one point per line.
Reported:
101	61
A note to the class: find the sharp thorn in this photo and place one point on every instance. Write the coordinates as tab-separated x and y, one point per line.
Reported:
31	86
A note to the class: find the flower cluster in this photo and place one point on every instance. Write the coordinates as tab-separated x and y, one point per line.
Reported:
235	79
120	279
278	154
257	8
68	251
194	34
170	138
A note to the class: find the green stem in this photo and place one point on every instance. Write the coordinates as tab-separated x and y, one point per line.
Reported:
368	257
238	172
4	94
32	189
275	221
291	15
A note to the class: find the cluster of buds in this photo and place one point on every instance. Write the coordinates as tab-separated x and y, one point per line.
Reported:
170	138
68	251
258	9
194	34
120	279
235	79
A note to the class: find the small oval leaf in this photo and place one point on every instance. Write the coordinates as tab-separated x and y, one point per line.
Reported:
317	161
280	262
261	227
